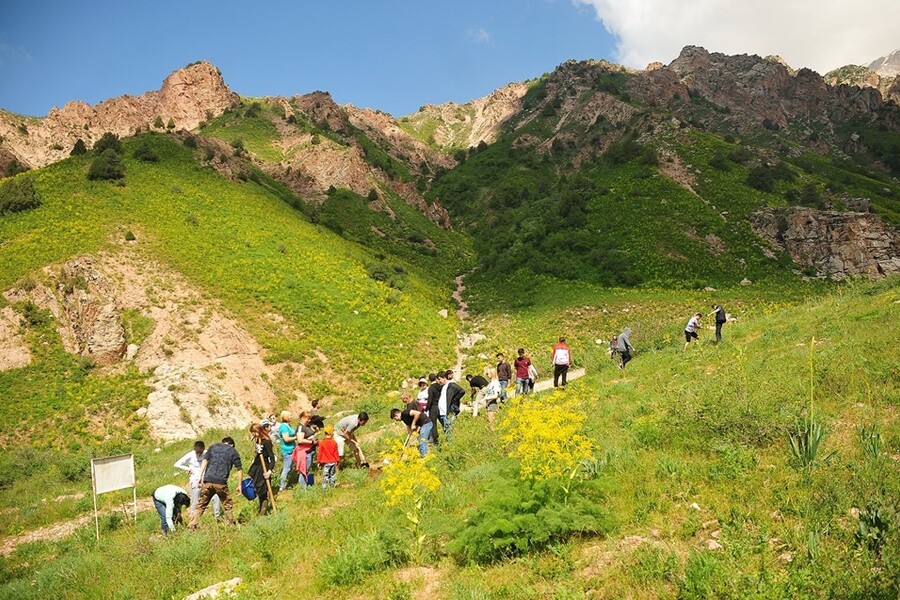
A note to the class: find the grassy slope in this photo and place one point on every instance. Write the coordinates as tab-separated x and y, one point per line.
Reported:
706	427
239	244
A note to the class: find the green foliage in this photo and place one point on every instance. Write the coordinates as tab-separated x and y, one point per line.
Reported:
361	554
108	165
874	523
137	326
805	440
108	141
516	517
765	176
79	148
17	195
190	141
158	123
145	153
14	168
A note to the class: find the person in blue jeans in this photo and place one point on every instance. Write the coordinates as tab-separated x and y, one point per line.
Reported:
288	437
169	500
415	420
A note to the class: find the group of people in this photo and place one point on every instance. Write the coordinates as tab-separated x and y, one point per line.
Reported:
300	446
310	442
620	347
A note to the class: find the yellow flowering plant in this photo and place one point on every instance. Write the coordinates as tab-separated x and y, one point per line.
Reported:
406	480
544	433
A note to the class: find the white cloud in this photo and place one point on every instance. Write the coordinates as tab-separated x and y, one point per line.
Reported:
819	34
479	36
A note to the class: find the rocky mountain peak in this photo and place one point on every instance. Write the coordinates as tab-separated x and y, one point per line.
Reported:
187	97
887	66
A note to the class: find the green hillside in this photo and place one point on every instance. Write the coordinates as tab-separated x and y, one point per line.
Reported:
691	490
598	179
243	246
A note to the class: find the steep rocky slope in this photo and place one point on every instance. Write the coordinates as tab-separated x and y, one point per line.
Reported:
452	126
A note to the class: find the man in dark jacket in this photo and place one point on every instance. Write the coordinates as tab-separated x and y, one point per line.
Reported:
443	406
721	319
214	471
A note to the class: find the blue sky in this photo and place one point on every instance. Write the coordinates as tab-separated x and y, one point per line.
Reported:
396	55
390	55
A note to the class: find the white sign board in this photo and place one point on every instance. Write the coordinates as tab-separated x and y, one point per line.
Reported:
112	473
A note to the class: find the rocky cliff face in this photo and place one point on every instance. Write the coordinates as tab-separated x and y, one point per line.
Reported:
187	97
887	66
460	126
834	244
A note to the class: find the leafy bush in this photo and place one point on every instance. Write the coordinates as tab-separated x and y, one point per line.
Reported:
108	141
107	166
14	168
764	177
17	195
190	141
79	148
145	153
158	123
518	517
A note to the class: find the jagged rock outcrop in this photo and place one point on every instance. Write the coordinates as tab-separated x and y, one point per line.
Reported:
187	97
467	125
834	244
14	351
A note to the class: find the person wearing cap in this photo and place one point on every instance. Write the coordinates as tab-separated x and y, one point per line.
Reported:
422	396
328	457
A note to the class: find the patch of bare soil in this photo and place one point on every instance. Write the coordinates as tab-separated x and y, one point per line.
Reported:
426	581
58	531
671	166
14	352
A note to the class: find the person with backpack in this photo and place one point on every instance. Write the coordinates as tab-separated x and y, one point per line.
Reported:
561	358
721	319
624	347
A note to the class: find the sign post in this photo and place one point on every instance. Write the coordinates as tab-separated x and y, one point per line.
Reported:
110	474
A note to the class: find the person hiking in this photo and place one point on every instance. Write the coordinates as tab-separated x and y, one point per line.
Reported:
721	319
306	446
690	330
504	375
561	358
431	404
214	471
345	431
168	500
521	364
261	468
624	347
190	462
476	384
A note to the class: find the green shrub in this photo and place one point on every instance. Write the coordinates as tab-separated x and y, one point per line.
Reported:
79	148
34	316
17	195
158	123
108	141
107	166
145	153
190	141
129	236
362	554
517	517
14	168
170	124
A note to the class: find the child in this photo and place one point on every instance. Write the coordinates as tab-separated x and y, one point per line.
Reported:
328	457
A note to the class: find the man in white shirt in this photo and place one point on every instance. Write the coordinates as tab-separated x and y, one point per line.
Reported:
190	462
690	330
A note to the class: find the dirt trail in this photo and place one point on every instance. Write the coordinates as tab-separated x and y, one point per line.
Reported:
58	531
547	384
463	341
